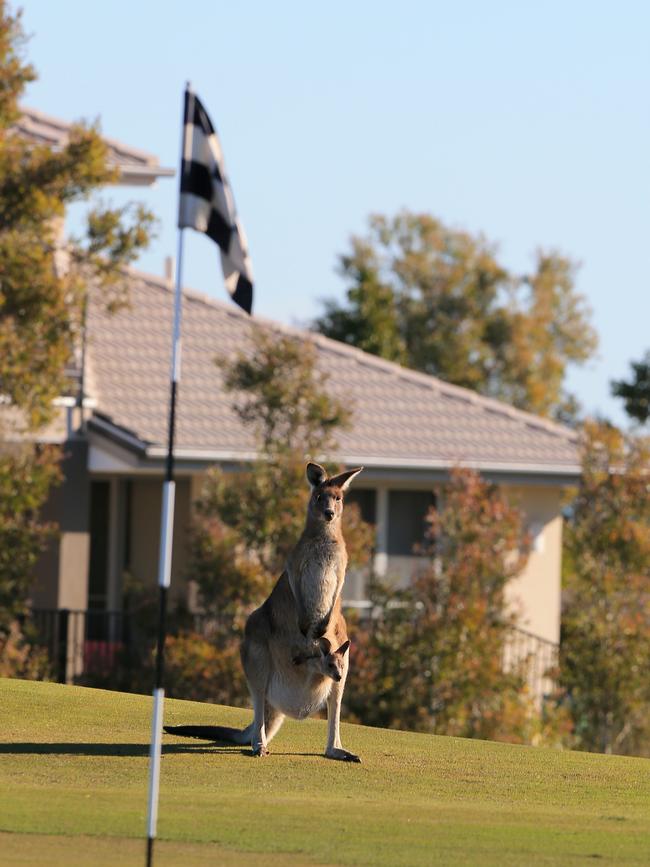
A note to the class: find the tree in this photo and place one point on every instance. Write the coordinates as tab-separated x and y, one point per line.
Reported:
246	522
25	479
43	287
605	644
432	657
636	391
438	300
371	321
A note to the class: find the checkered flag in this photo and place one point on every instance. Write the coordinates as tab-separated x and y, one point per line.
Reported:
206	201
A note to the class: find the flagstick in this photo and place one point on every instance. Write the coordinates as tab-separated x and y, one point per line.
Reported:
164	568
165	559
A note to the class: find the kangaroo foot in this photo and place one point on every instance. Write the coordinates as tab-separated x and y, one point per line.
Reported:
260	750
341	755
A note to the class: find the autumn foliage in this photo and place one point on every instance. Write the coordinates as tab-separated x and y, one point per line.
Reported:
605	647
439	300
431	656
44	283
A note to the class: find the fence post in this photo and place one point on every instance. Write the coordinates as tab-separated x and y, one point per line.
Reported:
62	645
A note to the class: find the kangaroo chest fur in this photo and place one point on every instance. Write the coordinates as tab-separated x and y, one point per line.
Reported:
316	572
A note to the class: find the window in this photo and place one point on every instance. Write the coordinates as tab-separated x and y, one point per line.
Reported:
407	511
366	500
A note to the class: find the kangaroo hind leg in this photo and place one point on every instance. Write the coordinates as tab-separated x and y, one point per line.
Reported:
334	748
273	719
255	658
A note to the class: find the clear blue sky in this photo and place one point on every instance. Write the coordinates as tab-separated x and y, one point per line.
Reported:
527	121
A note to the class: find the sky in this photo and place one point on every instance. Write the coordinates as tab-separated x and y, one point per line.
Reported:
527	122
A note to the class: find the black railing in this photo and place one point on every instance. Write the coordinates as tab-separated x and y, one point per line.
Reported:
538	658
82	642
88	645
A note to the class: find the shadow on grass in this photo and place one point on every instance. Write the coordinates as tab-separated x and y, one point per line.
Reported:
75	749
131	750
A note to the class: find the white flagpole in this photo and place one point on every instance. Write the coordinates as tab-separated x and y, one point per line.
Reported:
166	535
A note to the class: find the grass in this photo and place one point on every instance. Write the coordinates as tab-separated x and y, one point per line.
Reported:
73	781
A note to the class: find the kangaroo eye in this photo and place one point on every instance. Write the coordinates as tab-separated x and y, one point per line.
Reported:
318	498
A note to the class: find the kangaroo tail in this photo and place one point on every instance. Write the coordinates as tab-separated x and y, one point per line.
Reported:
212	733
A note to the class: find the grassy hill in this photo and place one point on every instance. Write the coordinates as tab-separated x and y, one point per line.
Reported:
73	780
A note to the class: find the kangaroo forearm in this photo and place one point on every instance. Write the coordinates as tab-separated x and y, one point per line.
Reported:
321	626
305	618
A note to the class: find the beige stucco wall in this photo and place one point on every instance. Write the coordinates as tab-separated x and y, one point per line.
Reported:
74	550
145	532
535	594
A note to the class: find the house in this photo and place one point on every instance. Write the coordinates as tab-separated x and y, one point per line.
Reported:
408	429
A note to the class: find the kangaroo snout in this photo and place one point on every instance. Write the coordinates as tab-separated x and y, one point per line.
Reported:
329	514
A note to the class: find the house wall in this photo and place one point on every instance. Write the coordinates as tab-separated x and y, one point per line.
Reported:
132	536
61	574
136	502
144	532
535	594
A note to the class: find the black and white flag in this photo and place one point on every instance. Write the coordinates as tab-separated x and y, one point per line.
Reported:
206	200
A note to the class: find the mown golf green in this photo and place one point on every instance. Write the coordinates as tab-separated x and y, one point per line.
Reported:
73	782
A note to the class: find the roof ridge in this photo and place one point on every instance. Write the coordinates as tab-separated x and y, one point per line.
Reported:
456	392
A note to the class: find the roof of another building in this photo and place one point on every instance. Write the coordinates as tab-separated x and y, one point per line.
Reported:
401	418
136	167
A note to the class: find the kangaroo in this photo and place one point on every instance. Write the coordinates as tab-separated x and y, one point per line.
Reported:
304	605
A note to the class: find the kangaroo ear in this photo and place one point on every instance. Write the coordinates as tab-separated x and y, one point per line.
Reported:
316	475
343	480
325	645
343	648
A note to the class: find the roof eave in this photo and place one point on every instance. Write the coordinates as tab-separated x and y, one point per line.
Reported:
201	458
142	176
209	456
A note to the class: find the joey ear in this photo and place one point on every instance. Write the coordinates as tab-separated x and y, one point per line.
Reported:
342	649
343	480
325	645
316	475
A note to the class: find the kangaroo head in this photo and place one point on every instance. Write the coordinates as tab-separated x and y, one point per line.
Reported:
329	663
324	660
326	501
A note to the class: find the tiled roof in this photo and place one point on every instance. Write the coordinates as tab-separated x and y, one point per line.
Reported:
135	166
400	417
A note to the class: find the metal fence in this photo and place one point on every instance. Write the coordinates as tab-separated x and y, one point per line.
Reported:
84	644
536	658
82	641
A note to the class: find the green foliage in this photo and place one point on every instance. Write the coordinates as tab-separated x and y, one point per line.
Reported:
438	300
606	602
16	73
246	523
636	391
204	668
431	657
371	321
25	480
19	658
44	282
280	393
